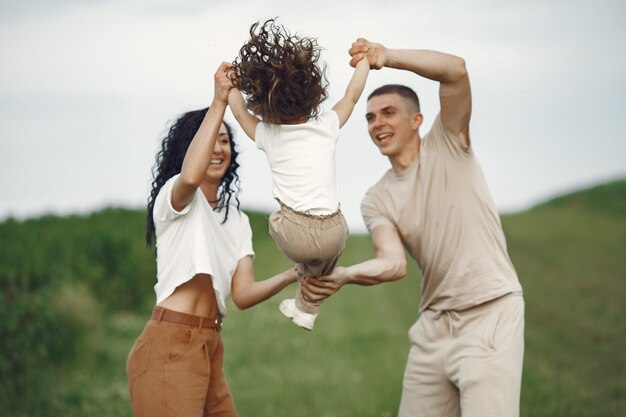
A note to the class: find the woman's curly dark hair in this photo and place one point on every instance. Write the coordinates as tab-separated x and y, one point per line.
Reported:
169	162
279	74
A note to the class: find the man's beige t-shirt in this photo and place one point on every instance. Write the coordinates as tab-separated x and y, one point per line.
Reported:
448	222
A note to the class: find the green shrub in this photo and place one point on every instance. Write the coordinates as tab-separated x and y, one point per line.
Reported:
43	331
51	270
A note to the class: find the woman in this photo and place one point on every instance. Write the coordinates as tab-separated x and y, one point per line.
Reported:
204	252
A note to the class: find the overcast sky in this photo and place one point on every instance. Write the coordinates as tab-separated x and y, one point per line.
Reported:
87	89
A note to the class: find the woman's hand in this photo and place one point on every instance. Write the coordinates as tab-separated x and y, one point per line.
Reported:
223	84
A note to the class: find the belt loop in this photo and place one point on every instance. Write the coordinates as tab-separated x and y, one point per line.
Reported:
161	312
200	323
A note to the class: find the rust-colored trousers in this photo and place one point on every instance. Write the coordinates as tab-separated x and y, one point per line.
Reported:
175	368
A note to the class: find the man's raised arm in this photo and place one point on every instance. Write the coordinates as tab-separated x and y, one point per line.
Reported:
449	70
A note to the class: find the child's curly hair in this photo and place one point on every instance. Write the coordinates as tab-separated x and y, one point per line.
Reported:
279	75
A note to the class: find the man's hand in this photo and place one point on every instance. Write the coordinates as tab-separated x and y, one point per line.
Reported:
388	265
223	84
320	288
375	53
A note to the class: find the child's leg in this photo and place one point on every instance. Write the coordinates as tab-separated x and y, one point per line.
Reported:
314	243
313	269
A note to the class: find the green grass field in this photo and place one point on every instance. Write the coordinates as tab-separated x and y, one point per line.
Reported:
570	257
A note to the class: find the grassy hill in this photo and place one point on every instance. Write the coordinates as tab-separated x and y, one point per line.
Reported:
603	200
570	256
76	291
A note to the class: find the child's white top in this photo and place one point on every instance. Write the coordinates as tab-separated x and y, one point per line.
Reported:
194	240
302	159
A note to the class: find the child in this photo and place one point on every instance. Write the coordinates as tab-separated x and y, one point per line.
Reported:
279	74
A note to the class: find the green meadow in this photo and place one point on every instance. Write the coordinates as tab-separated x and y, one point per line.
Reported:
76	291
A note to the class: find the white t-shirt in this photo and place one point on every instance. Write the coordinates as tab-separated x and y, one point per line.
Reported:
194	241
302	159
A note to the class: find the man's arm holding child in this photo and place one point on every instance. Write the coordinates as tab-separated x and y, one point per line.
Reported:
389	264
455	95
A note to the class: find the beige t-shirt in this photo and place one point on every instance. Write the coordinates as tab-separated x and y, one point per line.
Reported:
448	222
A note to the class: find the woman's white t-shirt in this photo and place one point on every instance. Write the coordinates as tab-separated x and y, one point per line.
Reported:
194	240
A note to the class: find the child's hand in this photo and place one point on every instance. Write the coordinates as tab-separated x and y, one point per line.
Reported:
360	62
355	59
376	53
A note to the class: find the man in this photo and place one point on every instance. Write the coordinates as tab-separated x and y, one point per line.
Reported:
467	346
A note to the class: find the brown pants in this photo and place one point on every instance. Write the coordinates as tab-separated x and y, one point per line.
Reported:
314	243
175	369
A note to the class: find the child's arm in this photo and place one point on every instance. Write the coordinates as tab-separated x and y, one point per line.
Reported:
344	107
238	106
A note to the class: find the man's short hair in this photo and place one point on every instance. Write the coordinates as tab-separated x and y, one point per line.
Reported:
403	91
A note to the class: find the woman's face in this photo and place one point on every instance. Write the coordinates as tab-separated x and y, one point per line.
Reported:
220	161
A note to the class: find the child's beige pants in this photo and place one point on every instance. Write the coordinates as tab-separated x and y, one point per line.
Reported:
314	243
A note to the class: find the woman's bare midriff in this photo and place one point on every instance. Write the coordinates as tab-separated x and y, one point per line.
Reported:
195	296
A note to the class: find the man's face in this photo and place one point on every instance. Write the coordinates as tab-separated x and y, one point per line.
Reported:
391	124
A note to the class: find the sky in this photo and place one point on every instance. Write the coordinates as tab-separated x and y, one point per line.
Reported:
88	89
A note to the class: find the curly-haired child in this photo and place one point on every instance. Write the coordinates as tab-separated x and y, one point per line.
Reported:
284	86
